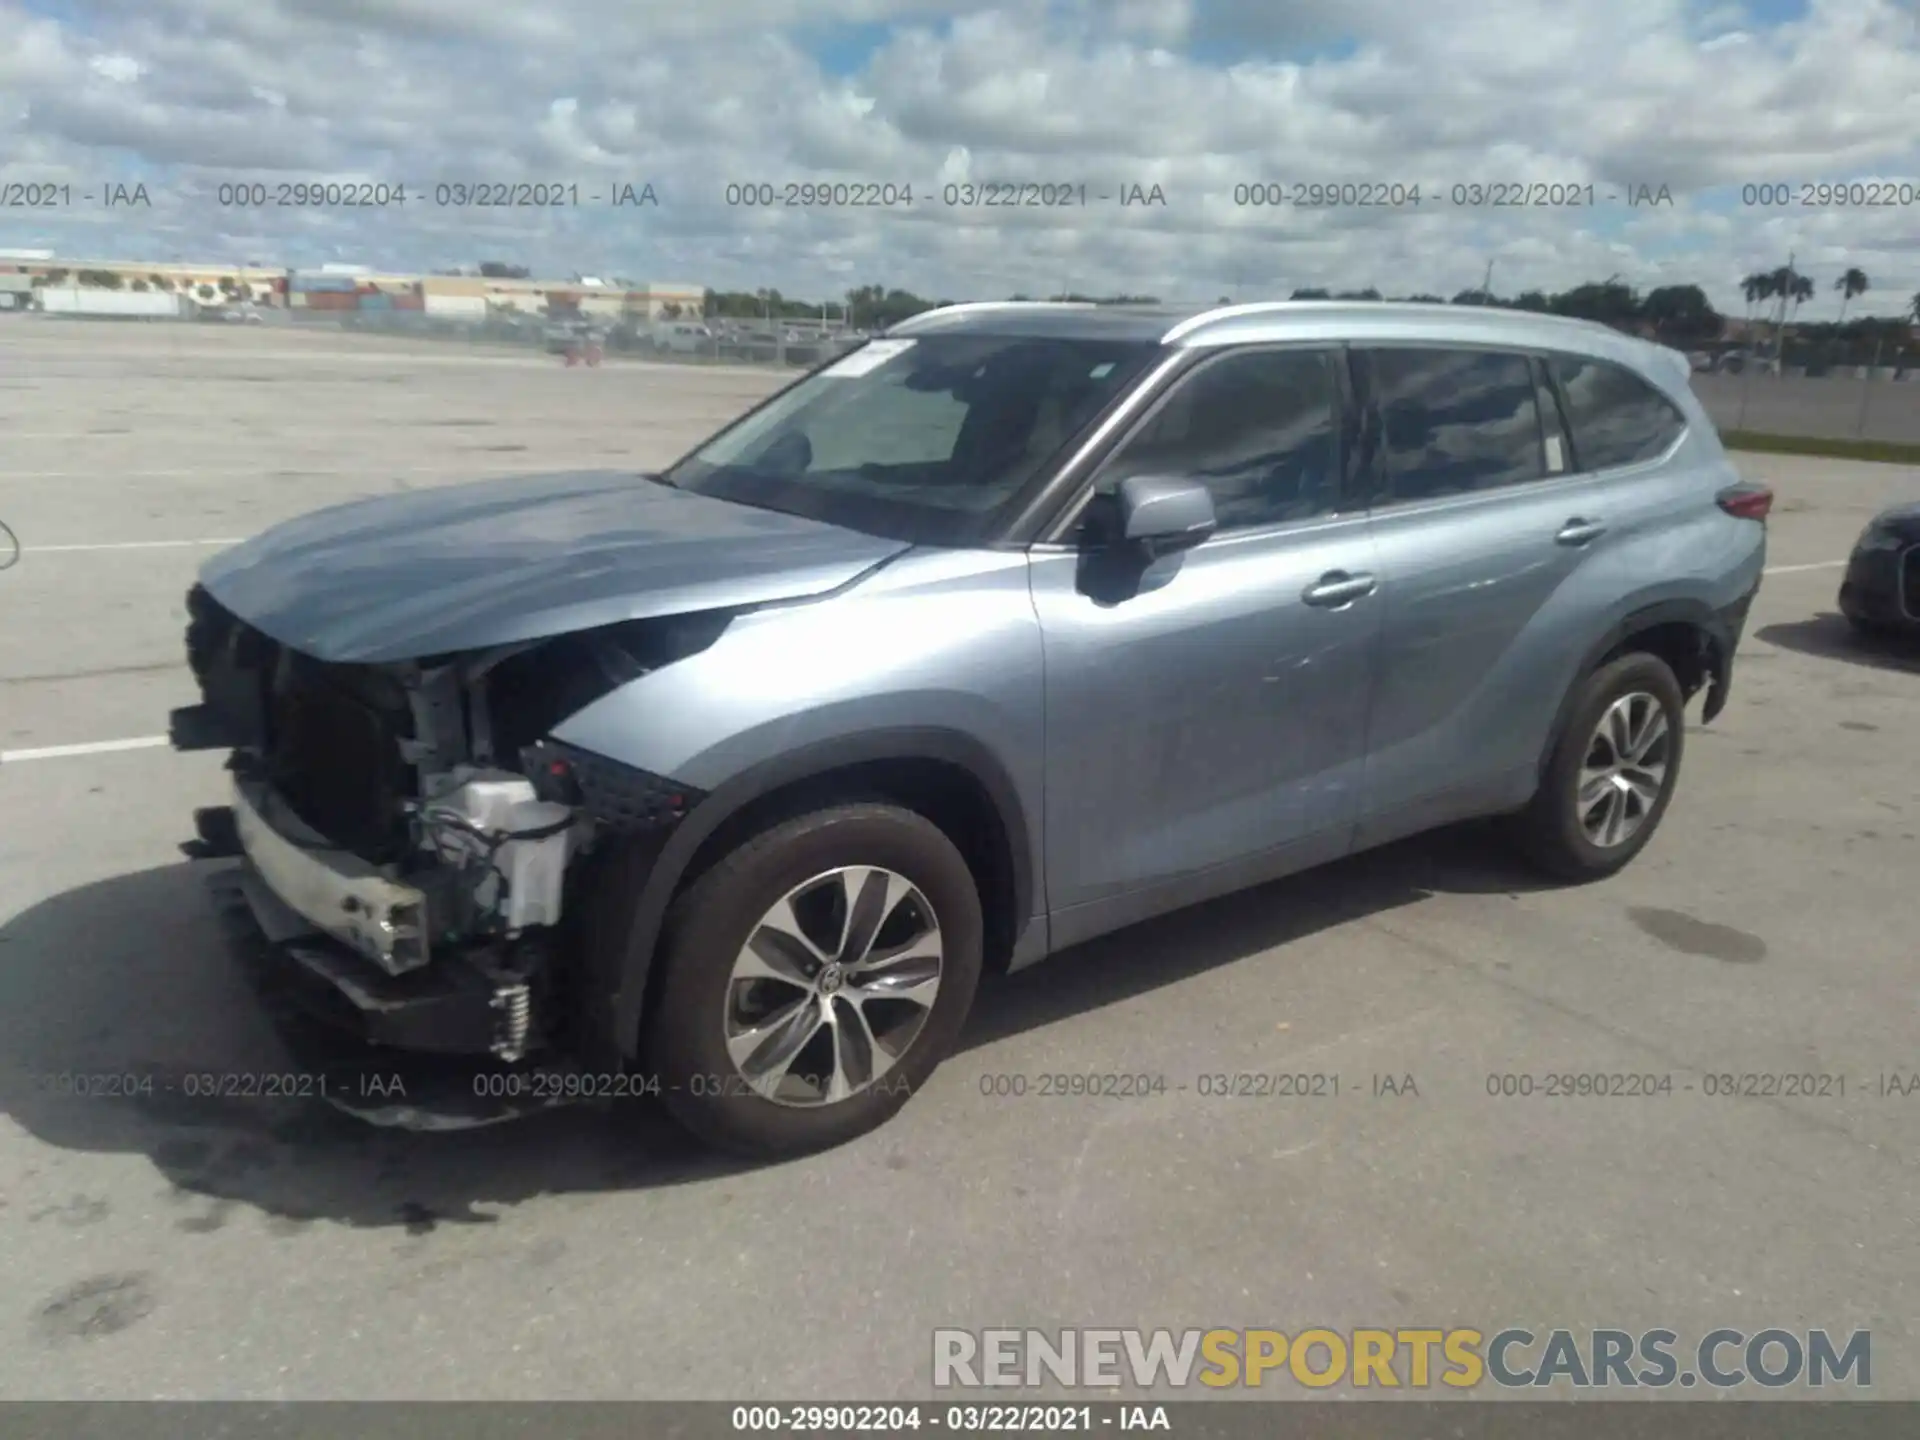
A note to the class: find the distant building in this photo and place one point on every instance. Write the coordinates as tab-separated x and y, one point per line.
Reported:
220	283
361	287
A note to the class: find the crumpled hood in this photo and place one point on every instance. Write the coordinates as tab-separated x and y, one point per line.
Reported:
460	567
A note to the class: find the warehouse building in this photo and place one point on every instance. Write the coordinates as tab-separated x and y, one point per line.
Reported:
474	297
336	287
211	284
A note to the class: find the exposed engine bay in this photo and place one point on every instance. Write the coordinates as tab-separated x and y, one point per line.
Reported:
409	831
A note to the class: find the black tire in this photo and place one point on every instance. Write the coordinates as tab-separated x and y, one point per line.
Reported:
706	928
1867	626
1548	833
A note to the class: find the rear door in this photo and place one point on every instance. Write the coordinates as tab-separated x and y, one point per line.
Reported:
1481	525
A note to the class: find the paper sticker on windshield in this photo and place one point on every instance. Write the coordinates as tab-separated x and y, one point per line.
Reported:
1556	460
870	356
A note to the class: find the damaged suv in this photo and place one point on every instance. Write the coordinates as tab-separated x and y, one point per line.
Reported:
1012	627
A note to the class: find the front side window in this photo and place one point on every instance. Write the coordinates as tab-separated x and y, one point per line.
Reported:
1456	421
1616	417
1260	428
929	440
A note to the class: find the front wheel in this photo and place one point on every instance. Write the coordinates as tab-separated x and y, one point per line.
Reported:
815	977
1611	774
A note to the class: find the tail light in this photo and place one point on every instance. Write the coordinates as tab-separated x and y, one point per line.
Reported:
1747	502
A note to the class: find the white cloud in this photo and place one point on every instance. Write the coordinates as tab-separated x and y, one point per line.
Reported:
1197	96
120	69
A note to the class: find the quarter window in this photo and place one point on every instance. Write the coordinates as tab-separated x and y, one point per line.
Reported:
1617	418
1455	421
1259	428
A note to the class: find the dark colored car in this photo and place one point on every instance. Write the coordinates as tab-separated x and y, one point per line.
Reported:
1882	590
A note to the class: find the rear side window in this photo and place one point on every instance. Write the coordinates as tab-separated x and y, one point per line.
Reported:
1455	421
1616	417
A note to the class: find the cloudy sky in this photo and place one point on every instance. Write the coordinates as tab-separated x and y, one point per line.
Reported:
1196	97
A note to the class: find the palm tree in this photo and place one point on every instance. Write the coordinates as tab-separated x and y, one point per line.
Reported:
1756	287
1914	308
1799	289
1852	283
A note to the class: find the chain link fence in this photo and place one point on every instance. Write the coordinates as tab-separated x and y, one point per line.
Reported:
798	345
1866	402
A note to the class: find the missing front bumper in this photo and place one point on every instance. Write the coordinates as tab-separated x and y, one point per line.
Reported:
434	1050
334	890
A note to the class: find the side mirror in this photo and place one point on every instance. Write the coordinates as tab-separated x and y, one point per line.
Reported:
1163	516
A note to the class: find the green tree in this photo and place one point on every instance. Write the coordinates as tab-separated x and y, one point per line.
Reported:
1681	312
1609	301
1852	282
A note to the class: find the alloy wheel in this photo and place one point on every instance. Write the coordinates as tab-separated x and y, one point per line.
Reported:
1625	769
835	982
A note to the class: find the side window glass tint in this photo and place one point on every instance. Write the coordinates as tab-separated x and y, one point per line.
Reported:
1455	421
1261	429
1617	418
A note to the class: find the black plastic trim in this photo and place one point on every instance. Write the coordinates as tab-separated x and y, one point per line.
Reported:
627	993
616	796
1721	628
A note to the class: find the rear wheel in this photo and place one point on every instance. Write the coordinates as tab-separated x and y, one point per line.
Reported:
1612	772
814	980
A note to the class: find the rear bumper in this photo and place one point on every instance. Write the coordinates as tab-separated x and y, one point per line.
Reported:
1729	625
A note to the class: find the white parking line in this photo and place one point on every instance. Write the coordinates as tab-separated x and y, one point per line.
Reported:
122	545
154	742
95	747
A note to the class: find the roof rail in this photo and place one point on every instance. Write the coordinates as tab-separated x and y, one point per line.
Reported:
1007	305
1223	312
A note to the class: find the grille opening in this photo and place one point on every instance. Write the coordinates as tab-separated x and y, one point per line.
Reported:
333	754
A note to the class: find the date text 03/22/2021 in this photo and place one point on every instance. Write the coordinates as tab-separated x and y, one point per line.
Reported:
220	1084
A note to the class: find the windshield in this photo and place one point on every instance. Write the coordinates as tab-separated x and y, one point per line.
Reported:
928	440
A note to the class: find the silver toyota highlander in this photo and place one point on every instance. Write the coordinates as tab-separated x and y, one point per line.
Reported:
1016	625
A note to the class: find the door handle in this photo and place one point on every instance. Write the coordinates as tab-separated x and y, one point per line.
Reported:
1337	588
1579	532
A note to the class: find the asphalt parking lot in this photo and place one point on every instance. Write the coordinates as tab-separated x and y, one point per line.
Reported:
186	1247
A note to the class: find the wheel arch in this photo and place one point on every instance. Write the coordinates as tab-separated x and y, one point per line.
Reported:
947	775
1690	635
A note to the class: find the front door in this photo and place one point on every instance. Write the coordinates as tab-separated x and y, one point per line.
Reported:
1206	721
